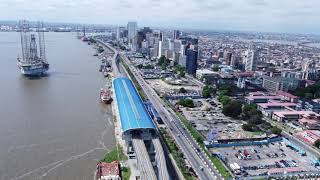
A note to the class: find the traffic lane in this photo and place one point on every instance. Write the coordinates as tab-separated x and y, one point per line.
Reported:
191	154
192	151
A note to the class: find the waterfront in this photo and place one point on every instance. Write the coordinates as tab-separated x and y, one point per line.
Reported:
53	127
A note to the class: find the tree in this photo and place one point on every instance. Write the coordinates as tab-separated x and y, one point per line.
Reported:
251	114
189	103
232	109
207	91
228	89
317	143
186	103
248	127
182	90
276	130
224	99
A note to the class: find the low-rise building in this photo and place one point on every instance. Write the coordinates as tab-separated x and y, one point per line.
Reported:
285	96
268	108
108	171
292	115
254	99
309	106
309	136
205	74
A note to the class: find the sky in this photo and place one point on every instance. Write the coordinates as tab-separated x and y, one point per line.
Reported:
293	16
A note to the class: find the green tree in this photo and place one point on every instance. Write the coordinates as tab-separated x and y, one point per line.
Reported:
232	109
276	130
224	99
251	114
186	103
207	91
317	143
248	127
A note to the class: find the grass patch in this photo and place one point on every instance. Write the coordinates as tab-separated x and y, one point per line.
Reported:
116	154
176	154
135	82
125	172
199	138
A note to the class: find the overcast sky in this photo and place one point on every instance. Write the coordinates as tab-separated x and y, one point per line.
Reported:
301	16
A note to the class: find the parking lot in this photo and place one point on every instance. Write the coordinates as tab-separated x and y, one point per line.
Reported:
265	160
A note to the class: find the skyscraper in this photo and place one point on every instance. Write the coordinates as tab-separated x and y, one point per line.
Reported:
132	33
191	61
250	60
227	58
176	34
118	33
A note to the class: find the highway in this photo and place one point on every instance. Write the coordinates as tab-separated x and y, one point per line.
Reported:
163	173
145	165
196	157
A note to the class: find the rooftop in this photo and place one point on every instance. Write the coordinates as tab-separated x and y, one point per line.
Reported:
302	113
133	114
270	104
282	93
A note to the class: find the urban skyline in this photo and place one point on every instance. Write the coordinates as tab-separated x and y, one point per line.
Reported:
245	15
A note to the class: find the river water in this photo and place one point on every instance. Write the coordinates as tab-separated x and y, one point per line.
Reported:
53	127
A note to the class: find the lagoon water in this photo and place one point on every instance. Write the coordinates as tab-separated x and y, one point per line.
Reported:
54	127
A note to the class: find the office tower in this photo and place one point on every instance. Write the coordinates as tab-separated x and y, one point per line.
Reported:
250	60
132	33
171	45
118	34
227	58
160	49
176	34
177	46
191	61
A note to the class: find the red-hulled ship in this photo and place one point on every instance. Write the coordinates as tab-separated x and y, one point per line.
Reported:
105	96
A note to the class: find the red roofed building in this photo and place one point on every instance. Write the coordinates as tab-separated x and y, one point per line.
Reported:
287	96
108	171
309	136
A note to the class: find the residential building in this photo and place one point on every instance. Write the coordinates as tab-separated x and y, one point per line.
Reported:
250	60
275	84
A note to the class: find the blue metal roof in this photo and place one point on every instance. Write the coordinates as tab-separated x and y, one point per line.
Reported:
133	114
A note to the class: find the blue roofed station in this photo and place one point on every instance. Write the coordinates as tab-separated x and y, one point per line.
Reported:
134	117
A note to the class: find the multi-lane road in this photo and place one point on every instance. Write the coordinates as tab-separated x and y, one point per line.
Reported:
196	157
193	153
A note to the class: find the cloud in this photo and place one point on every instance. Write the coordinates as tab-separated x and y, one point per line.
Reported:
255	15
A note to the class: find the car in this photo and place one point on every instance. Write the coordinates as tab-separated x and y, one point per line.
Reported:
201	168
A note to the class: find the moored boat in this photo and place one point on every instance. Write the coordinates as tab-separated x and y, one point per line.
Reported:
105	96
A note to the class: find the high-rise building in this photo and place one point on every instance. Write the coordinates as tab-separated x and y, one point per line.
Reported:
118	33
309	71
176	34
191	61
132	33
227	58
250	60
